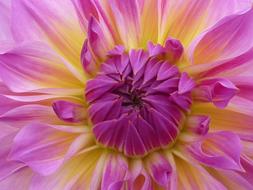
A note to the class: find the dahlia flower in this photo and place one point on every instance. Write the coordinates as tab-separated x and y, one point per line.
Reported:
126	95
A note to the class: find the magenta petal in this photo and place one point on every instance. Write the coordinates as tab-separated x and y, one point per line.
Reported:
89	64
99	42
186	84
218	150
68	111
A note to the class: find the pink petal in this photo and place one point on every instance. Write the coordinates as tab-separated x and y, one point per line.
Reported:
38	68
218	150
229	38
69	112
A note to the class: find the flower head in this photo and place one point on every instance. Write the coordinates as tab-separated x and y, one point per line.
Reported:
126	94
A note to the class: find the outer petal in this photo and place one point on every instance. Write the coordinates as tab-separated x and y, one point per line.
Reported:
48	20
184	20
229	38
20	180
5	12
26	114
44	152
7	167
229	119
75	174
37	68
218	150
195	177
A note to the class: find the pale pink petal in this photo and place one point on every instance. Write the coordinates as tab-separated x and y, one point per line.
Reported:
5	21
218	150
239	65
43	151
195	177
74	174
229	119
115	172
43	20
127	18
8	167
229	38
37	68
26	114
21	180
184	20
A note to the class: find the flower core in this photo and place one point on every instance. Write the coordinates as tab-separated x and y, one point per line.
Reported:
138	100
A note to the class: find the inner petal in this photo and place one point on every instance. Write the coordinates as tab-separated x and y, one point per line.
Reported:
137	101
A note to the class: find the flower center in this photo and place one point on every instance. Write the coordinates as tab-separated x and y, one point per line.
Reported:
138	100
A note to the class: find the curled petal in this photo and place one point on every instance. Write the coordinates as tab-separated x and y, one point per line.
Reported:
160	169
88	62
99	41
218	150
174	49
186	84
68	111
219	91
198	124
